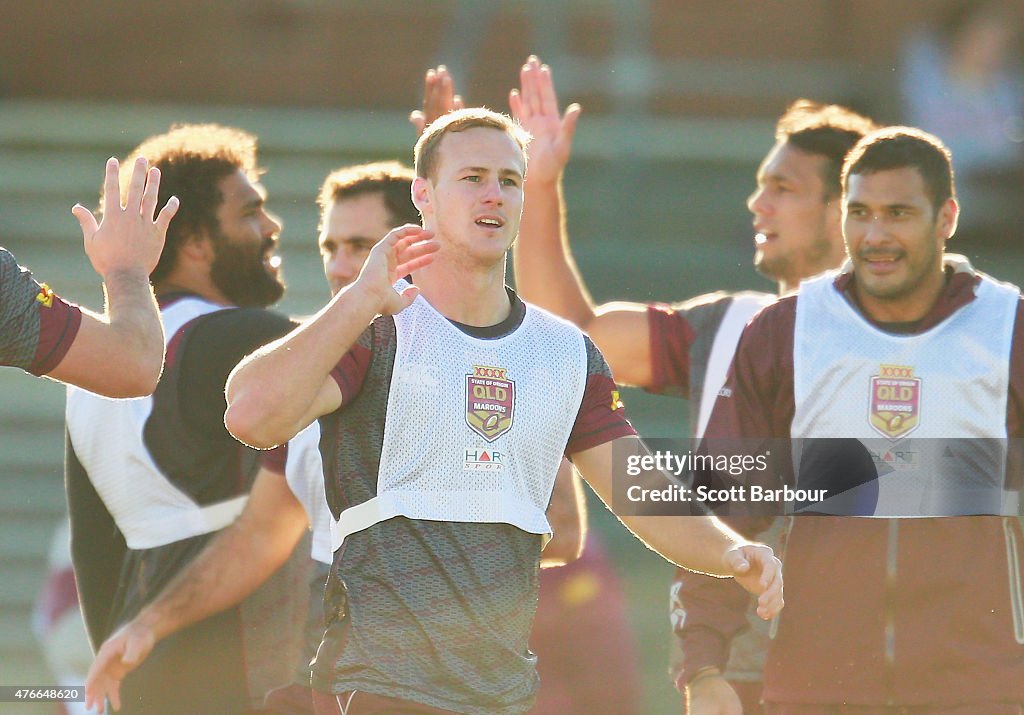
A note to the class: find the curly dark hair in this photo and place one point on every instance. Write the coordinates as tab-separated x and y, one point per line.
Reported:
193	159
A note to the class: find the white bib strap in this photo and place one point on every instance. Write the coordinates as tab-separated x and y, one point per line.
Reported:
148	534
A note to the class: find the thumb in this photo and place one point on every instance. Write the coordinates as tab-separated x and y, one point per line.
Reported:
737	561
85	219
135	651
408	296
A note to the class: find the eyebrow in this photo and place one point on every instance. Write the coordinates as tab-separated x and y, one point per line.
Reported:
254	203
485	170
888	207
346	239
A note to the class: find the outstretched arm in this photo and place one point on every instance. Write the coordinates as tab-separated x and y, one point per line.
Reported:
697	543
234	564
546	273
120	353
439	98
284	386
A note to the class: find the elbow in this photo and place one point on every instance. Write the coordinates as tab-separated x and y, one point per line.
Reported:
138	379
250	426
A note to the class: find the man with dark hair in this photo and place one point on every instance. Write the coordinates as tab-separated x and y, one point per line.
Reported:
925	614
119	353
150	481
446	408
685	349
356	203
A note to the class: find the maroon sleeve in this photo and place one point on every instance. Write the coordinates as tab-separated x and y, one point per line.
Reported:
350	372
715	610
59	322
757	398
275	459
670	338
601	416
756	402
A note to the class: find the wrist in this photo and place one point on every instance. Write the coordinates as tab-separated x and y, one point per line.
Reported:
705	673
132	275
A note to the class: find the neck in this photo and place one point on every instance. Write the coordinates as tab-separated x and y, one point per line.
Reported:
178	283
907	309
473	297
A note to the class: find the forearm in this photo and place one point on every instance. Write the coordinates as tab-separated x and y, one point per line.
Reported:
697	543
271	394
134	317
567	516
546	273
235	563
121	353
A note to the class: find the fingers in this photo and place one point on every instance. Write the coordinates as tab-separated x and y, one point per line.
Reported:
515	104
545	88
568	129
111	186
415	254
136	185
439	98
163	220
86	220
418	121
151	194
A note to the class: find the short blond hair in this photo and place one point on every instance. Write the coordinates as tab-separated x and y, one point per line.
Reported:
425	154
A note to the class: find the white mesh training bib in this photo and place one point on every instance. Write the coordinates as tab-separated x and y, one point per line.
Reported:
475	429
930	408
107	438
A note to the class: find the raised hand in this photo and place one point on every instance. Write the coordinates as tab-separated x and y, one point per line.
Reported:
535	105
119	655
128	239
439	98
755	567
405	249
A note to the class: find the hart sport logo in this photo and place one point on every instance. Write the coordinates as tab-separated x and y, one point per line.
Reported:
490	401
895	401
482	460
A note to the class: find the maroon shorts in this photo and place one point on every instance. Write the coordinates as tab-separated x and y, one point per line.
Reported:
359	702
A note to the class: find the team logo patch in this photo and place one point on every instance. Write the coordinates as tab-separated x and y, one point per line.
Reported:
895	401
490	401
45	295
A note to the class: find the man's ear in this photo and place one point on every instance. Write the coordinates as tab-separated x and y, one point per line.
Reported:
949	215
198	247
421	190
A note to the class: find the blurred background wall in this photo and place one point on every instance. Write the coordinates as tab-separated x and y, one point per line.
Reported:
679	97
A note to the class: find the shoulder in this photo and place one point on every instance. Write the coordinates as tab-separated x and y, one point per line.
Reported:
239	325
779	315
